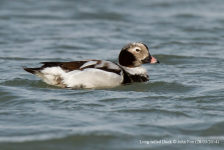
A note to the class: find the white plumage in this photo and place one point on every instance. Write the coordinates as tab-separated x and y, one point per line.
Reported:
91	78
88	78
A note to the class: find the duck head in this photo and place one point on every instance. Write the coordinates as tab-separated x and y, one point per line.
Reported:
135	54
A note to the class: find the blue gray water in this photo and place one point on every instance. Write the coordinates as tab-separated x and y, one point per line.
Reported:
184	99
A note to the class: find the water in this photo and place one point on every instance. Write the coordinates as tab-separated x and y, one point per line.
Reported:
182	101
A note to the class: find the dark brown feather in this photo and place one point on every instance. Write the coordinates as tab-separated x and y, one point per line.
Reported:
68	66
73	65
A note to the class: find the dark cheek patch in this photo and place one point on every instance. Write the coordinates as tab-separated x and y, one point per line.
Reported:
126	58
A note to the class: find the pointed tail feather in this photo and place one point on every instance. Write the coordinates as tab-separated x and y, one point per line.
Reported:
32	70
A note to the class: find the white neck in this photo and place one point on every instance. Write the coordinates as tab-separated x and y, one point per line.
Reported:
135	71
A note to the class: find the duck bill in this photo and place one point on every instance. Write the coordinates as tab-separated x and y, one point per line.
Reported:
150	59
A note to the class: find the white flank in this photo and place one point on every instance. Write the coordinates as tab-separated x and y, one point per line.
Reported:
53	70
50	74
90	78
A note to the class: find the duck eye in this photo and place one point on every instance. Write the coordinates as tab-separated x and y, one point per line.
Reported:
138	50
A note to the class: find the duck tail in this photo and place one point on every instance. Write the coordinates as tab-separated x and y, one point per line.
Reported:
32	70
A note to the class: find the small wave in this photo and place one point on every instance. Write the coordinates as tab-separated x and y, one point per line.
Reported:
7	96
23	58
204	129
153	110
104	15
19	82
157	87
62	137
178	59
187	16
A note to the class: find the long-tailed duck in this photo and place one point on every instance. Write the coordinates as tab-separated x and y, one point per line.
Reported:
98	73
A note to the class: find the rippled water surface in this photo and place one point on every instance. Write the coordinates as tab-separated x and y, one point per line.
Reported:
182	101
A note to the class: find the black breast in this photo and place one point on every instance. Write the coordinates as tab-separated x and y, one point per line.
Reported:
129	78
